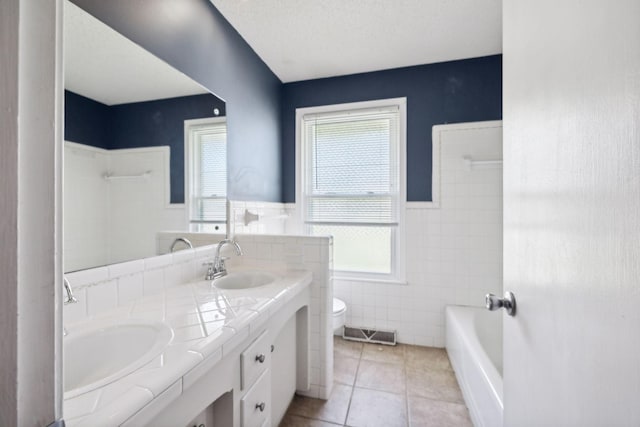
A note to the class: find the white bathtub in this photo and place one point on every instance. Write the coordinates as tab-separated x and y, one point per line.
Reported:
474	344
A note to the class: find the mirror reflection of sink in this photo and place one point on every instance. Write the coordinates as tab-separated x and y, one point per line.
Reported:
243	280
97	355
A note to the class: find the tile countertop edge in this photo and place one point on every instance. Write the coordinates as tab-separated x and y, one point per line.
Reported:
290	285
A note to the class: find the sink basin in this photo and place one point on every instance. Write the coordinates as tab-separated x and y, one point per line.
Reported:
98	354
243	280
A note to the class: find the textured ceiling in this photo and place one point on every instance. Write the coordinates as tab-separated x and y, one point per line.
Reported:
105	66
305	39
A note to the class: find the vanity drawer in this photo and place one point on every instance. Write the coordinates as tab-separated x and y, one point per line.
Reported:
254	360
255	406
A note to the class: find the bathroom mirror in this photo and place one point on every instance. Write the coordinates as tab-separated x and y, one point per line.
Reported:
124	153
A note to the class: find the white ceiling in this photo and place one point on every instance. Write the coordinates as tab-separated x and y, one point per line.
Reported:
308	39
105	66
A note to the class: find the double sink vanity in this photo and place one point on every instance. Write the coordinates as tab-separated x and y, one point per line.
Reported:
230	351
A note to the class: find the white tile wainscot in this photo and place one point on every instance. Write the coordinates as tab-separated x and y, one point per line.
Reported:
453	247
147	289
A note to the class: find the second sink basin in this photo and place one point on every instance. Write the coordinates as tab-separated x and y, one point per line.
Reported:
97	354
243	280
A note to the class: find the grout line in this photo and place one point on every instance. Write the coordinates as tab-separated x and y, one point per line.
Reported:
406	385
353	386
312	419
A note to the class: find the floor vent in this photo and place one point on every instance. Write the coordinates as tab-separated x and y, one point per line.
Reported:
369	335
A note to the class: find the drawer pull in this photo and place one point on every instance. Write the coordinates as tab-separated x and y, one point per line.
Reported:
260	358
261	406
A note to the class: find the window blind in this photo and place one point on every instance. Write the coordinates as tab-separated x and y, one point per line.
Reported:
209	174
352	172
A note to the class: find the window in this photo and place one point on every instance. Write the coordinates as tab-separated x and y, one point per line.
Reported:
351	170
206	173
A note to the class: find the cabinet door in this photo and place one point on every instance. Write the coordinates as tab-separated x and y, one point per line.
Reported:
255	406
254	360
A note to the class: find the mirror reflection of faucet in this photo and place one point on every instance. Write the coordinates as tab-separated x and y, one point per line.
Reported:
69	298
180	240
217	268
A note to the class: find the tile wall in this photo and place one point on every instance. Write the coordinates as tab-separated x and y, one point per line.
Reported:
86	206
453	247
109	221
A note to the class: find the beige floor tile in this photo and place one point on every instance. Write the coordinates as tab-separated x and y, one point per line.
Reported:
333	410
426	358
384	353
435	384
345	369
296	421
372	408
434	413
344	348
381	376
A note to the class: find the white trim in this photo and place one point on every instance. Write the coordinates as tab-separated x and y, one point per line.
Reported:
398	261
188	124
370	280
487	124
422	205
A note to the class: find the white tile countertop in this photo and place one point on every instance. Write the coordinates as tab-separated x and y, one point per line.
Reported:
206	323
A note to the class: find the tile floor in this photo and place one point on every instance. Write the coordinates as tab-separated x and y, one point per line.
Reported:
377	385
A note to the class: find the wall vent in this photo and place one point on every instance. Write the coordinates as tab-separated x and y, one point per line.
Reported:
369	335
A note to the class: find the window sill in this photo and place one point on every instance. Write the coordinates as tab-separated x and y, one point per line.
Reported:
371	280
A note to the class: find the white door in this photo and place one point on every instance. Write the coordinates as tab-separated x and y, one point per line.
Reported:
572	212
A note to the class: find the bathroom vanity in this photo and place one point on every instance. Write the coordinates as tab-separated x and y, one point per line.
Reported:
234	356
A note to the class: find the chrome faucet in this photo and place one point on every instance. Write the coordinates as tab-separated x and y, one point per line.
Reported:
69	299
178	240
217	268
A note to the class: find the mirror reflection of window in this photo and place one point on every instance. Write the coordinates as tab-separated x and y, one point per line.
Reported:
124	170
206	174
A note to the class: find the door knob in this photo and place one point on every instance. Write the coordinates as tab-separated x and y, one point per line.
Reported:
492	303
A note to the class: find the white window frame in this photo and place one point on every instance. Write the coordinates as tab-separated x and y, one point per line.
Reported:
398	259
188	176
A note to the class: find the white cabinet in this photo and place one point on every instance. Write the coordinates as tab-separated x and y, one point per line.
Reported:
255	406
255	382
204	419
235	384
254	360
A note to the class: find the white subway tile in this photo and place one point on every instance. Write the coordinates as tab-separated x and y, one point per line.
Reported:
76	312
88	277
183	256
130	288
102	297
158	261
153	281
125	268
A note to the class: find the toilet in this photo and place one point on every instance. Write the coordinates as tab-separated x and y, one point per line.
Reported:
339	315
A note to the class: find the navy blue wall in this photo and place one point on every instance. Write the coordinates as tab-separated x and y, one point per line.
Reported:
161	122
448	92
192	36
86	121
139	124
